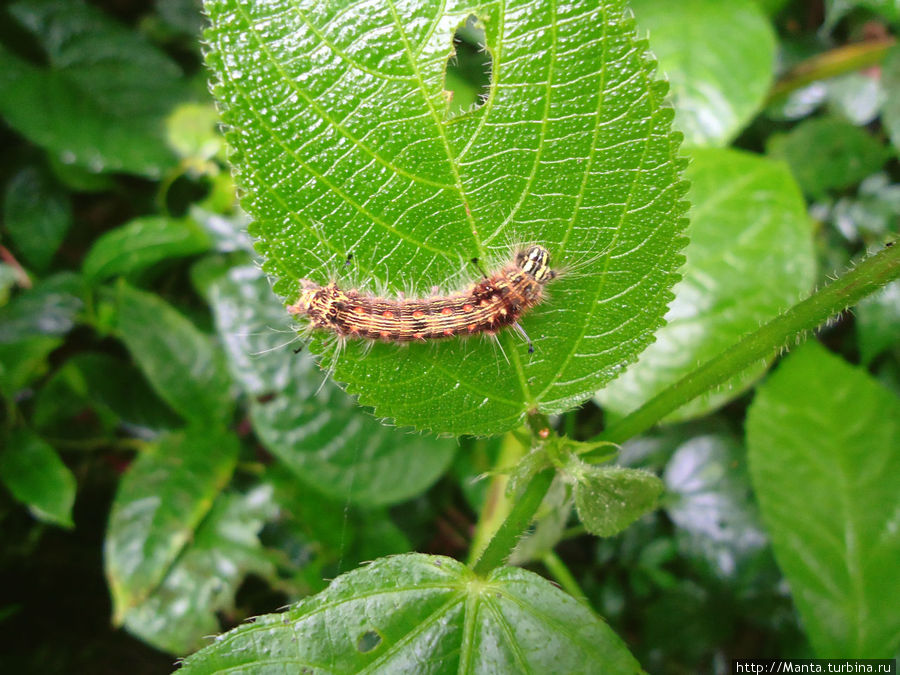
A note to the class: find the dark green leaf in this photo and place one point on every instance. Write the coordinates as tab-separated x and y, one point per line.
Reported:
870	216
709	499
113	387
142	243
750	257
181	612
610	498
314	428
719	58
37	477
878	322
425	614
49	308
101	101
24	360
823	439
835	10
890	108
185	16
182	364
37	214
772	7
161	501
828	154
572	149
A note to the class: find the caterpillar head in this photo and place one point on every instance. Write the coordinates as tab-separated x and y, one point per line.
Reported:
308	290
535	262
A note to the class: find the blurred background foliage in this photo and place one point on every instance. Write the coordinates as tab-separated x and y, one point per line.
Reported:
144	360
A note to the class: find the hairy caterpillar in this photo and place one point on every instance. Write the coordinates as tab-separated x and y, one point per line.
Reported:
495	302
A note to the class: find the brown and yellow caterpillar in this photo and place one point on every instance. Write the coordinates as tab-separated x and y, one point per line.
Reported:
495	302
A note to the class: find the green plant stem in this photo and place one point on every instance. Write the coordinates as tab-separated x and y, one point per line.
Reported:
870	275
563	576
839	61
520	516
496	505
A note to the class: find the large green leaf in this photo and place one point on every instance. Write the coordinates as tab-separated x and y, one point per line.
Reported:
750	257
181	611
113	388
835	10
182	364
342	141
167	492
101	101
316	429
37	214
823	439
718	56
424	614
37	477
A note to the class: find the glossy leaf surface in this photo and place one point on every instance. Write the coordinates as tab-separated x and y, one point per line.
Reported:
343	142
161	501
750	257
718	57
181	612
709	500
823	439
424	614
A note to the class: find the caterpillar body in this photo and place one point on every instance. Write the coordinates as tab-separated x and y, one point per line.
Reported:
493	303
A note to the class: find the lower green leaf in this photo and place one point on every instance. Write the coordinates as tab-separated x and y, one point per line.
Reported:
160	503
181	611
823	439
424	614
37	477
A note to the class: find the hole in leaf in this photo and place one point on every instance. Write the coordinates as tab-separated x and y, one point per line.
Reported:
467	79
368	641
